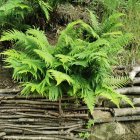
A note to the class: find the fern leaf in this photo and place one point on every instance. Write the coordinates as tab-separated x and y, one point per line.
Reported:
121	41
113	96
116	82
13	35
64	58
54	93
90	100
111	23
47	57
40	36
29	87
46	8
94	20
60	77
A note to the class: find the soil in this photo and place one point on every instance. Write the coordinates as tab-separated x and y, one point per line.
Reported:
5	77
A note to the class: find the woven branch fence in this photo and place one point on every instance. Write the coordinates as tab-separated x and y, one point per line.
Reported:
37	118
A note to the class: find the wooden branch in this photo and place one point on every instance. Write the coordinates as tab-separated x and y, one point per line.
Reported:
12	110
126	111
2	134
32	131
28	138
136	80
13	90
73	128
127	118
36	137
39	127
35	115
136	101
134	72
23	102
129	90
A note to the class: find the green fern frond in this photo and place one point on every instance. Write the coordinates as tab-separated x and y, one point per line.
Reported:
40	35
116	82
13	35
30	87
60	77
112	34
95	22
45	6
90	100
111	23
54	93
89	29
121	41
47	57
64	58
113	96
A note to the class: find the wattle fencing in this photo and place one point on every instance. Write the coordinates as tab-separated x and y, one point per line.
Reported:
35	117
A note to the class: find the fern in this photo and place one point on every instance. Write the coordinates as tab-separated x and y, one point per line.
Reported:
116	82
46	8
60	77
77	65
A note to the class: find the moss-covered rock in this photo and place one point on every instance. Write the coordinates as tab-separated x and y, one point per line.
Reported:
116	131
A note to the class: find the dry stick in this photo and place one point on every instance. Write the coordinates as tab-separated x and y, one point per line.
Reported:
53	113
44	107
34	125
28	138
23	102
35	103
127	118
9	90
39	138
40	127
60	107
73	128
12	131
42	132
34	115
35	131
64	127
136	80
11	116
26	126
2	134
21	110
134	72
136	101
126	111
13	95
84	116
129	90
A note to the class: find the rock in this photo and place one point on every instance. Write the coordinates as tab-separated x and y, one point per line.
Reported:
116	131
102	116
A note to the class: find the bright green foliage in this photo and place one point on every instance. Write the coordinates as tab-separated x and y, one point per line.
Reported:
78	65
117	82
